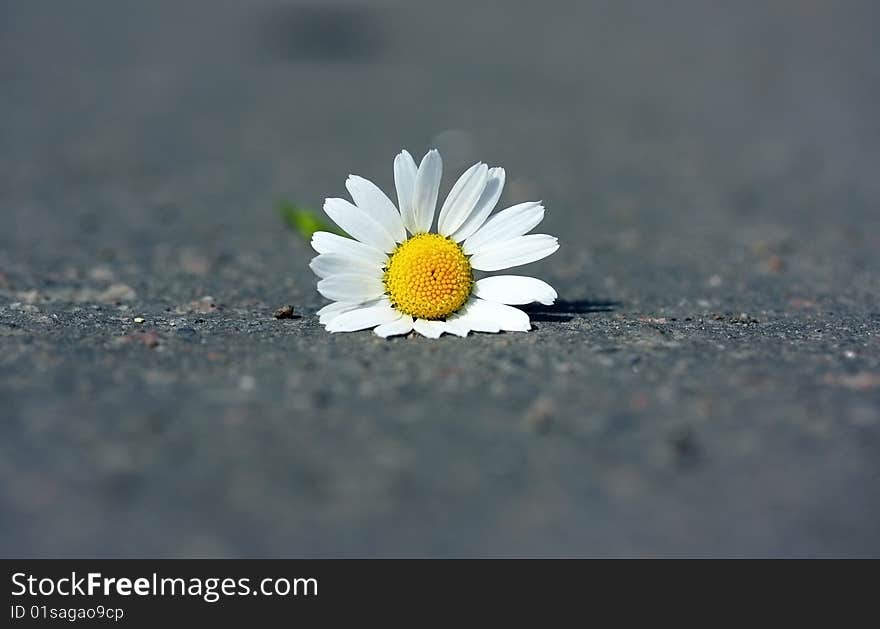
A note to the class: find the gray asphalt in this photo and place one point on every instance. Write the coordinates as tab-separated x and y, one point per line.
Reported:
708	384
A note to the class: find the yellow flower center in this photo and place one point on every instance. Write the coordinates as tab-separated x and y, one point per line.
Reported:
428	277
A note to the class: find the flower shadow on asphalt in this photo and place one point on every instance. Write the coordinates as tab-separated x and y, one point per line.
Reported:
564	311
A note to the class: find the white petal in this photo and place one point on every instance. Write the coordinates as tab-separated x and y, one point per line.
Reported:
351	288
328	264
403	325
457	326
462	198
359	224
369	198
510	223
484	206
363	318
333	310
325	242
515	289
425	193
332	307
429	329
473	317
475	324
515	252
405	170
506	317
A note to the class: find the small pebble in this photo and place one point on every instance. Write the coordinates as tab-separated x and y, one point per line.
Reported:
539	416
149	339
117	293
775	264
285	312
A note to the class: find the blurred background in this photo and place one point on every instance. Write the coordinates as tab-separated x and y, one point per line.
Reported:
709	383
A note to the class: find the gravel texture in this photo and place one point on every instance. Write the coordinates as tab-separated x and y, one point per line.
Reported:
708	383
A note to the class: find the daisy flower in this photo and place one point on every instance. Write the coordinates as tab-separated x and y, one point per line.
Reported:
395	275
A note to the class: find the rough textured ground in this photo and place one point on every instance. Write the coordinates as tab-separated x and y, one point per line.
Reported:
709	383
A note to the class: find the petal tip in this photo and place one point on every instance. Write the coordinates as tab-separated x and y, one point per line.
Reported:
432	154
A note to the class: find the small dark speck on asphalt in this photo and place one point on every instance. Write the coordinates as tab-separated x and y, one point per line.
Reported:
685	448
187	334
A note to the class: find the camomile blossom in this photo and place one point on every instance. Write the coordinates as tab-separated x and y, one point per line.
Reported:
395	275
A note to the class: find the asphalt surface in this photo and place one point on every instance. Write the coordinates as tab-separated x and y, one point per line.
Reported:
708	384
